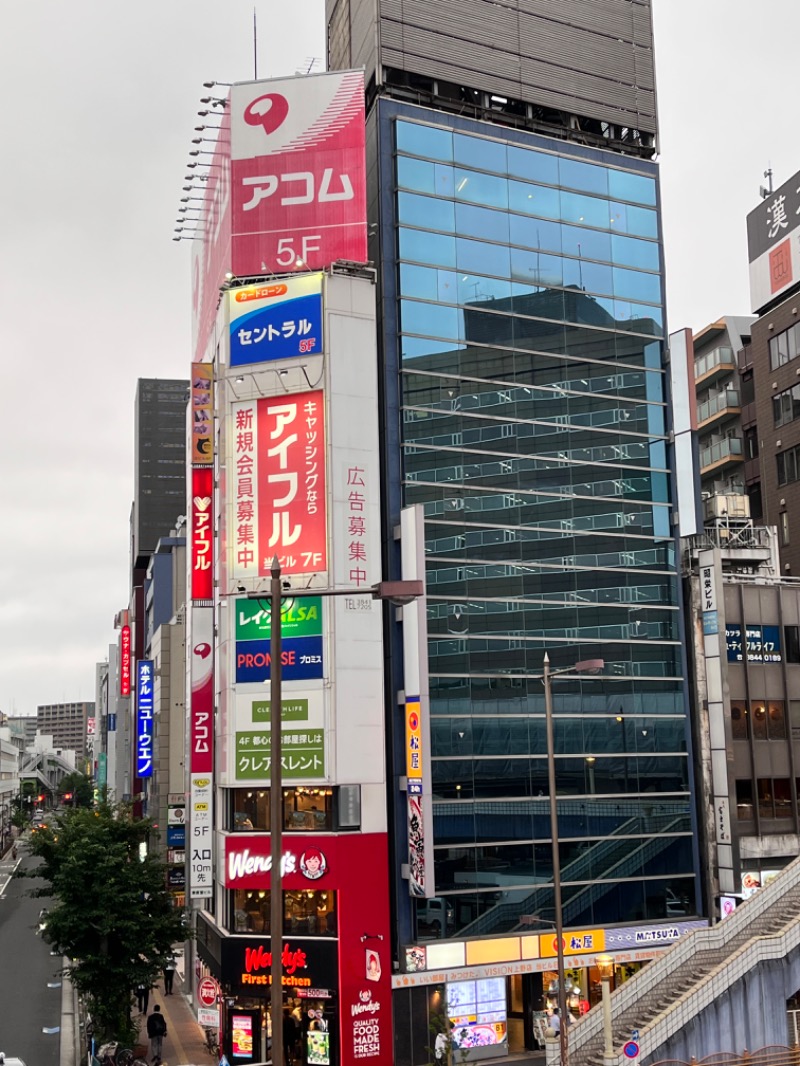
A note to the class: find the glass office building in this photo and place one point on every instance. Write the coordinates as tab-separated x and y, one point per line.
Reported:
525	406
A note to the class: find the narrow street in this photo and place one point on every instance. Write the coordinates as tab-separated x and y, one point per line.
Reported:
26	970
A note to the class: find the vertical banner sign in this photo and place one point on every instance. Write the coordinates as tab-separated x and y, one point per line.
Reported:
202	415
415	666
298	173
202	533
125	661
201	754
144	718
279	490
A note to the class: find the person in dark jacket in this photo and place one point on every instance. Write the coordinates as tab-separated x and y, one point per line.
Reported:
156	1030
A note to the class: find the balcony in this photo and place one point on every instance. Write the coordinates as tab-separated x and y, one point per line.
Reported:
718	409
721	455
713	365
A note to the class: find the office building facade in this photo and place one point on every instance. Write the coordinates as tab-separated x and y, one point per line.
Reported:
524	403
67	724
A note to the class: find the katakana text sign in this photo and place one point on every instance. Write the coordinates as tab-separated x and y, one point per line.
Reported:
298	173
144	718
202	533
302	754
278	320
278	502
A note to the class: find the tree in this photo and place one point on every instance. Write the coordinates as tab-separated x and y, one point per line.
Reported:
113	916
79	788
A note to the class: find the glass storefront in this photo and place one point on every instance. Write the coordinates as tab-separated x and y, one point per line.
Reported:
304	809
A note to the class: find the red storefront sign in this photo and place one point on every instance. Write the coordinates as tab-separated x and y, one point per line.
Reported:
355	867
201	755
125	661
298	173
202	531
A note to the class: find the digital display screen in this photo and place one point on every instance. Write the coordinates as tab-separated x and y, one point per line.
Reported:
242	1036
477	1012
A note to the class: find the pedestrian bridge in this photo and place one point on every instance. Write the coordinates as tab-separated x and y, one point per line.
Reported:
721	989
47	768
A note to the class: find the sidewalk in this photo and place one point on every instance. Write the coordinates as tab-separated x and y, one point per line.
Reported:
184	1044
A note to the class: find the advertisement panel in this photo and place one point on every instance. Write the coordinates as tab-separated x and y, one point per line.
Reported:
773	244
201	753
202	414
212	245
763	643
278	500
202	533
125	661
144	718
298	173
340	864
277	320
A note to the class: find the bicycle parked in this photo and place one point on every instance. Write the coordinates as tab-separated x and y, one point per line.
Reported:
212	1044
112	1054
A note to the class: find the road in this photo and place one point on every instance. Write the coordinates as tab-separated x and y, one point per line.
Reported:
26	969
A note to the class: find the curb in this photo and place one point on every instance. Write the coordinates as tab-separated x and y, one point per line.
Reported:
70	1053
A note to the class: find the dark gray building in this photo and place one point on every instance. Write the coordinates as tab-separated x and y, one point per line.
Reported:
159	496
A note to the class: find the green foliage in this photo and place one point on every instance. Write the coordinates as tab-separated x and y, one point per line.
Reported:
440	1025
113	915
81	788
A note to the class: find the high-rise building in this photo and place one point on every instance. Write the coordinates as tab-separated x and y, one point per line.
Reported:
515	223
159	462
66	723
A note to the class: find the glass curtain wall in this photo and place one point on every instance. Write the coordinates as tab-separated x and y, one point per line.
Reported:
534	431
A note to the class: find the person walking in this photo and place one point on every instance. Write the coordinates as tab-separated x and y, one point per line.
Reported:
289	1036
169	974
156	1030
142	996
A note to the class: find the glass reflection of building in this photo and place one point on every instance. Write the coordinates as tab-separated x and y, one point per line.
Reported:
522	333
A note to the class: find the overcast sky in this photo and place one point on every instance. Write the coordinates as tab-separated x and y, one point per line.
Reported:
100	101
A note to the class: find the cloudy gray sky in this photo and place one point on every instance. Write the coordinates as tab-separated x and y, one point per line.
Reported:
100	101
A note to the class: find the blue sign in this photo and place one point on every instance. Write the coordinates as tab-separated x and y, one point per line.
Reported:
763	644
275	327
710	624
301	658
631	1050
176	836
112	723
144	718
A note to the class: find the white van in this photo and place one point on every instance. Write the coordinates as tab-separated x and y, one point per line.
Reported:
436	915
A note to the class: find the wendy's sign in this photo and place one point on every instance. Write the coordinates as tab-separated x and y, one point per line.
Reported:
246	963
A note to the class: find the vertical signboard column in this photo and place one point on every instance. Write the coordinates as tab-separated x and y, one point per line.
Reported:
199	846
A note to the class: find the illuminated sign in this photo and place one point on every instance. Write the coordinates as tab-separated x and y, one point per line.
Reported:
280	321
144	718
575	943
125	661
279	505
202	533
202	414
298	173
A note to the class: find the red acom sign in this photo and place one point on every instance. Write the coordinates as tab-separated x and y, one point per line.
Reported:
202	570
298	173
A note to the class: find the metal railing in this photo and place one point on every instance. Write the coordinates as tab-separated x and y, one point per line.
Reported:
722	356
724	449
720	402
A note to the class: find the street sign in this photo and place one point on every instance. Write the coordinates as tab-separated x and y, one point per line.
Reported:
631	1050
208	1016
208	991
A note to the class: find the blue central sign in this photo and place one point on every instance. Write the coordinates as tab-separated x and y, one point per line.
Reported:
144	718
276	320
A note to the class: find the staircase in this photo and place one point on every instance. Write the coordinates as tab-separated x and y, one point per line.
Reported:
675	988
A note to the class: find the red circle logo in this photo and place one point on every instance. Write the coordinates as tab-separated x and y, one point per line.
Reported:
207	991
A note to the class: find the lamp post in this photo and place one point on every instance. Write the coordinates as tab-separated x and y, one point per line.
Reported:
585	667
605	964
399	592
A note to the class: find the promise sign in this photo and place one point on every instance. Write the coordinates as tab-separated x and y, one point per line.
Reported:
279	485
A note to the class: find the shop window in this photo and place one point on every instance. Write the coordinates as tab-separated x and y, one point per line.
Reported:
305	913
774	797
744	800
740	728
769	720
304	809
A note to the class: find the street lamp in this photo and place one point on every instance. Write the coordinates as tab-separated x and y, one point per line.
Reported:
397	591
587	666
605	965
